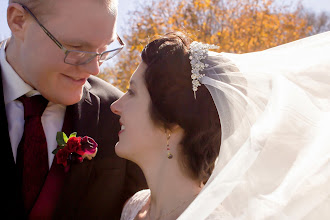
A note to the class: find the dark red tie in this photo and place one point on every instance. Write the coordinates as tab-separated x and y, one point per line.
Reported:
32	155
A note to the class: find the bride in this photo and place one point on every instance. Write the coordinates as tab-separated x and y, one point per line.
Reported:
229	136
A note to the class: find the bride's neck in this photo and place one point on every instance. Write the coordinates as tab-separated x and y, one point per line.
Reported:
170	188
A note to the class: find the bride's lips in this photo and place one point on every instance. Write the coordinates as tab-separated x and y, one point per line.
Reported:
122	129
76	81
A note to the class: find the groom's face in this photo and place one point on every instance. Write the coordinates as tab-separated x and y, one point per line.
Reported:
84	25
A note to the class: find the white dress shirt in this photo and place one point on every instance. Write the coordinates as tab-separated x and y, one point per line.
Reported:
14	87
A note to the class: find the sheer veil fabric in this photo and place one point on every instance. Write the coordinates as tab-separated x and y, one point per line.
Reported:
274	108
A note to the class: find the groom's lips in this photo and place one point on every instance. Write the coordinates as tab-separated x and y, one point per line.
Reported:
76	81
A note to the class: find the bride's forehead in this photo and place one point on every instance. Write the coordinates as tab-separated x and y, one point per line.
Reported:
139	72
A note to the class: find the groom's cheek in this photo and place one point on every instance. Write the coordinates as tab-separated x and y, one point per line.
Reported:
60	90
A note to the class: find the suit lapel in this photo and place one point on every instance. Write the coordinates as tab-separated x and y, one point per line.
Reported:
85	118
12	194
86	113
85	122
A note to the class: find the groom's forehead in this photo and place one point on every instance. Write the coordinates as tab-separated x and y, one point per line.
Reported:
110	5
53	7
86	23
83	8
86	13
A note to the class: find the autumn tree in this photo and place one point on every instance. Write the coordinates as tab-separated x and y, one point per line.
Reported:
236	26
320	22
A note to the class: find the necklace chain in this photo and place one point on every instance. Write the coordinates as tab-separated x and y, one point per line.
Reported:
171	211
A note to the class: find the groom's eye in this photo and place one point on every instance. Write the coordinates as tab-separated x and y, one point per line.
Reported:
75	46
72	45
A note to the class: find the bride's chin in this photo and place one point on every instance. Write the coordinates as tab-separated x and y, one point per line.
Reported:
128	153
119	151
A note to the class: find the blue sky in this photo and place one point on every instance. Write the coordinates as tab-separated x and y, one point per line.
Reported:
125	6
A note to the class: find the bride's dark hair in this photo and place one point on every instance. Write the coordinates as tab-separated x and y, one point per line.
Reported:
168	80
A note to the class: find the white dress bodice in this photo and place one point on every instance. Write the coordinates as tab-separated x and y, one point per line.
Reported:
139	199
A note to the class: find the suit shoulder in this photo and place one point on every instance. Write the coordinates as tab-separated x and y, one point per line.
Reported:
103	89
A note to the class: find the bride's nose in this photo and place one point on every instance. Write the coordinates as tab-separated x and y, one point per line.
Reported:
115	107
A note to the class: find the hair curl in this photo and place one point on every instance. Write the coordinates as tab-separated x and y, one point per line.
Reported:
168	80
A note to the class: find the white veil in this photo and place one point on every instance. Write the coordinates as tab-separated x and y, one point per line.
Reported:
274	108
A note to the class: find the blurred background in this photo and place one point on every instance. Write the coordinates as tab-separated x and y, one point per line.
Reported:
235	25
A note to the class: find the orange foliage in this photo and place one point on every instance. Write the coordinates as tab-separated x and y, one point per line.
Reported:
236	26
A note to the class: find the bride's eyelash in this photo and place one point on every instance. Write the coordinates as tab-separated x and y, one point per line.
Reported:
130	92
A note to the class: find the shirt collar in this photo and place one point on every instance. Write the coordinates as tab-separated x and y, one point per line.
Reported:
13	85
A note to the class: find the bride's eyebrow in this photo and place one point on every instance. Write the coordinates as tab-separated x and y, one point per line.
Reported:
132	82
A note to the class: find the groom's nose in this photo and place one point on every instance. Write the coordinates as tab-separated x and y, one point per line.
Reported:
93	67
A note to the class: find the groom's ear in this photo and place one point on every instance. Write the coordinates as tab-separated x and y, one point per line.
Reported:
17	20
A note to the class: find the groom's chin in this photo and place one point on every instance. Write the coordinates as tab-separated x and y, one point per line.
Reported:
69	98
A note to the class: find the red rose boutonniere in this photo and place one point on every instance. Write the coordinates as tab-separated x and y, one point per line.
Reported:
74	148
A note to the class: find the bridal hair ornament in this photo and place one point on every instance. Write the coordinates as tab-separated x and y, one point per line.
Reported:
198	51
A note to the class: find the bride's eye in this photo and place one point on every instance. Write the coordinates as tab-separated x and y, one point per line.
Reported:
130	92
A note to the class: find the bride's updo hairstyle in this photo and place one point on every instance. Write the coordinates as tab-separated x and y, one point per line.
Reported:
168	80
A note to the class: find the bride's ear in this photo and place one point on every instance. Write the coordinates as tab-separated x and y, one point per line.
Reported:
175	128
177	132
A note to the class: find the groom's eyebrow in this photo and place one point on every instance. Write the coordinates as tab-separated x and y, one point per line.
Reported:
77	42
83	43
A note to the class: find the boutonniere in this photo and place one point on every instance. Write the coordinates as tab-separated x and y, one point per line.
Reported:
73	148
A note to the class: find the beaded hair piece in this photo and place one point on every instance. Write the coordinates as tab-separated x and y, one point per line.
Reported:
198	51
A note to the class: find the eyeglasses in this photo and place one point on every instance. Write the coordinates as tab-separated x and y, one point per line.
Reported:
76	57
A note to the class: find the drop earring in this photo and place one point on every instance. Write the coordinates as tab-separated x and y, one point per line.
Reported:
169	155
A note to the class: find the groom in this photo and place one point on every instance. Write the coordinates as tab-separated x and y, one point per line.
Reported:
56	50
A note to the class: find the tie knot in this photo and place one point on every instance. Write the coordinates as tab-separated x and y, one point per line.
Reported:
34	105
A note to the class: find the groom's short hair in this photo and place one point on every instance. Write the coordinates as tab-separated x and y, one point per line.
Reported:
39	6
34	5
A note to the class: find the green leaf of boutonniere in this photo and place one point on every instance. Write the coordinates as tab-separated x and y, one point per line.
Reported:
61	139
65	138
74	134
56	150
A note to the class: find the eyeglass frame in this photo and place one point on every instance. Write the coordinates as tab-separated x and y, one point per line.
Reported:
67	51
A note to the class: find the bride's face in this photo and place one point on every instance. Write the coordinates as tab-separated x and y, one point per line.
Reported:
140	140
